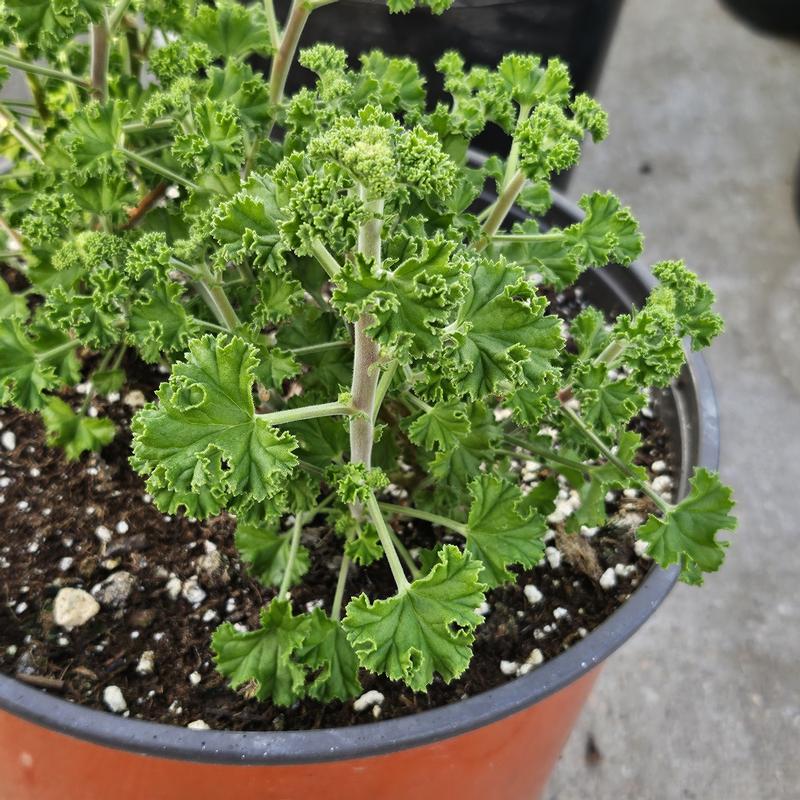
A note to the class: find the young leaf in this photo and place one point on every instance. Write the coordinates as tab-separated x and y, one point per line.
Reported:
425	629
267	554
441	427
498	535
605	404
202	443
687	532
409	302
502	328
267	657
365	548
328	654
231	30
76	433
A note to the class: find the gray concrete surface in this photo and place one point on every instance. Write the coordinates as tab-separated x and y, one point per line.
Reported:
704	703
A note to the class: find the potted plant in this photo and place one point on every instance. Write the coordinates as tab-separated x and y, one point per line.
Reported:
394	424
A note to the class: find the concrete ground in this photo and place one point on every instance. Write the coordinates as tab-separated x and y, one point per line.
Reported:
705	701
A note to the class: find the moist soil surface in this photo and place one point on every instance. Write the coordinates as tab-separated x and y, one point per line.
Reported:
74	524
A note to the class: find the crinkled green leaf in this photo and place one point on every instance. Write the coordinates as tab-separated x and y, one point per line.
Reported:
687	533
606	404
216	143
329	655
202	444
265	660
231	29
75	433
159	323
425	629
12	306
498	535
46	25
267	554
441	427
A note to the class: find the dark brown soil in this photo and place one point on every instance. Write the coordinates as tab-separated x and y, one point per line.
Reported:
62	505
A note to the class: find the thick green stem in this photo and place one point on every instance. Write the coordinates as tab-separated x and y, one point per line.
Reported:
500	210
294	546
383	386
325	258
367	353
513	156
99	61
388	545
272	24
159	169
341	582
613	350
427	516
591	436
116	14
146	127
405	555
282	60
550	236
9	60
225	307
306	412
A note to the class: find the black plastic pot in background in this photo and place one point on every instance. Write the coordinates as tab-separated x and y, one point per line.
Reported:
483	31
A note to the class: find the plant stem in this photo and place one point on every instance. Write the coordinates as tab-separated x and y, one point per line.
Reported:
272	24
57	351
547	454
318	348
427	516
383	386
9	60
145	127
20	134
153	166
500	210
282	60
550	236
224	305
294	546
99	60
405	555
388	545
589	434
306	412
325	258
341	582
365	359
116	15
612	351
513	156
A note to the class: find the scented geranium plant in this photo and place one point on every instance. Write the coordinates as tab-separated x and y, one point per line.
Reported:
353	333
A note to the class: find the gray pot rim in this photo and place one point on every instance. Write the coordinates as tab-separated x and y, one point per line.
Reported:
698	419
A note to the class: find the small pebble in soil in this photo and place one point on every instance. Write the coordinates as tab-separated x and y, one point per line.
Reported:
195	678
198	725
553	556
630	494
210	615
121	526
65	563
509	667
173	587
608	580
102	533
115	589
368	699
588	532
560	613
662	484
134	399
640	548
73	608
34	472
532	594
114	699
147	663
192	591
8	440
658	466
5	483
483	609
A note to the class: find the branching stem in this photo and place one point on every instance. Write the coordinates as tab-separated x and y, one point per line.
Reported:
10	60
306	412
99	60
427	516
374	510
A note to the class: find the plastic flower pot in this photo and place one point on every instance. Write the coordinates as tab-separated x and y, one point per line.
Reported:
499	744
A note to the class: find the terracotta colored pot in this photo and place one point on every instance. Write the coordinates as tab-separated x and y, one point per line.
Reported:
498	745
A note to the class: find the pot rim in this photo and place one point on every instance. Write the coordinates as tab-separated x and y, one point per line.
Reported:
269	748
